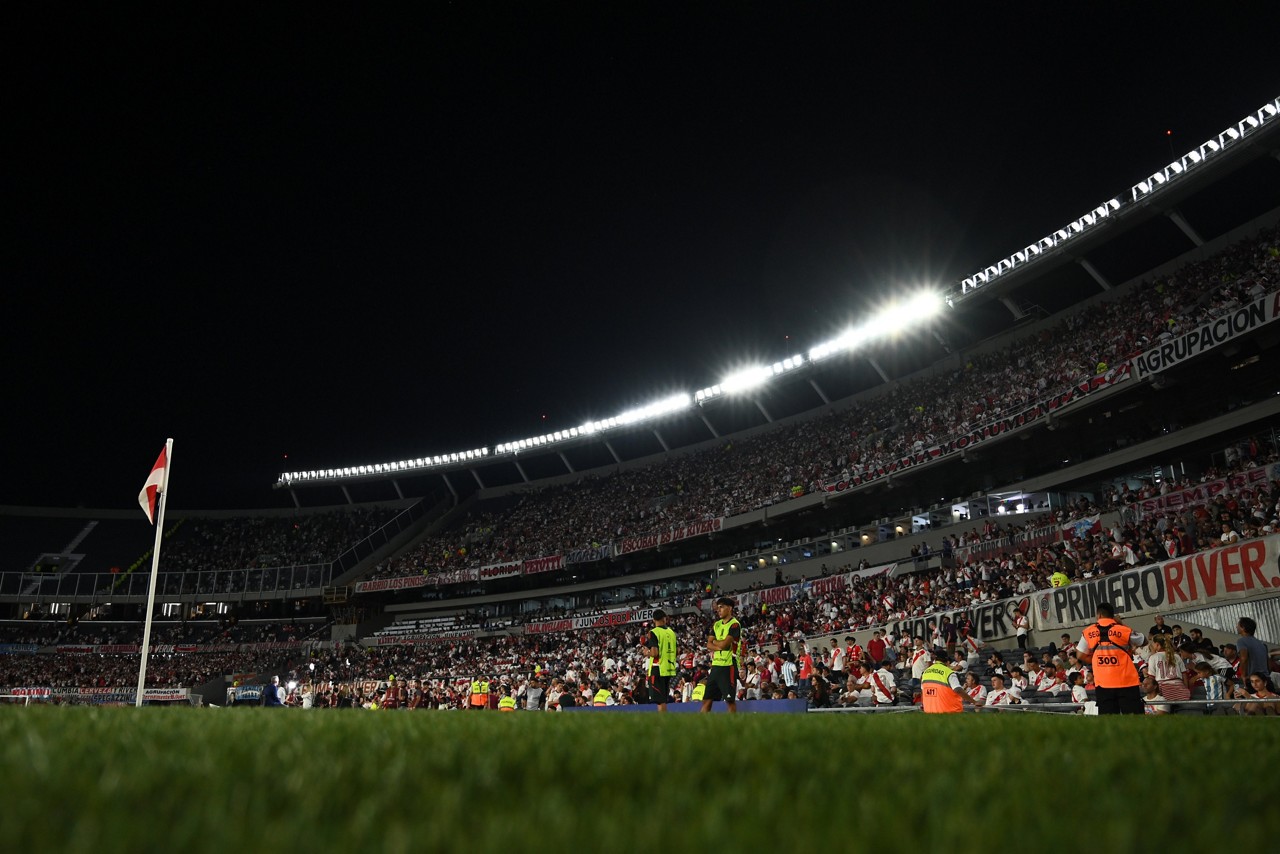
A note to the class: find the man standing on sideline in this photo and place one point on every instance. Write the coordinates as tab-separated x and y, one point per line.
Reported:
1108	646
660	646
725	644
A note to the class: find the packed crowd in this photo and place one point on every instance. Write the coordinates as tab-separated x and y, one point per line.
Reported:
867	601
353	675
251	553
745	474
543	674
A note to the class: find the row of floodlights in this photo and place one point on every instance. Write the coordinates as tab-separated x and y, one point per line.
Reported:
406	466
1102	214
893	319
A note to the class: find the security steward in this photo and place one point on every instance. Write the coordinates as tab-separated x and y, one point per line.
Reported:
508	702
1107	646
660	646
725	644
941	690
478	699
603	696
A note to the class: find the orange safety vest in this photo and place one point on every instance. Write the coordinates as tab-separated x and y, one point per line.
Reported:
936	691
1112	662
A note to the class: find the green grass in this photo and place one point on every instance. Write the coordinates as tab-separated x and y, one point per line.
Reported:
115	779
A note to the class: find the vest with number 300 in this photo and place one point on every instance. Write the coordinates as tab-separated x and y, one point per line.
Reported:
1112	662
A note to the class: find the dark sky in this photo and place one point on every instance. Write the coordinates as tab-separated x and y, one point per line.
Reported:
351	241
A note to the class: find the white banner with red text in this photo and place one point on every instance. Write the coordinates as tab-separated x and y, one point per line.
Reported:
598	621
627	545
1247	570
1202	493
813	588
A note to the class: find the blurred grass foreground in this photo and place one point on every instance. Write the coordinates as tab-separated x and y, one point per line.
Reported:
115	779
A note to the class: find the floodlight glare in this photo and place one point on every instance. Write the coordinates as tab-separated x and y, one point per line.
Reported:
746	379
924	305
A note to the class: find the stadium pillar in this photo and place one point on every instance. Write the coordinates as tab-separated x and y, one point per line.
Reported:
879	370
346	494
565	460
1013	307
617	459
662	441
293	493
709	427
449	484
820	392
476	475
399	491
763	411
1093	271
520	469
1184	227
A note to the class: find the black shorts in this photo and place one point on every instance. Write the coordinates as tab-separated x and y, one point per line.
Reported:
659	689
722	684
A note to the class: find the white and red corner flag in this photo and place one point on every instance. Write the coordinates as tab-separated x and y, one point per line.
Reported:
155	483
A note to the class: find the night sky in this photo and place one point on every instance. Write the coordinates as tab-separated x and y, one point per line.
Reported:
350	241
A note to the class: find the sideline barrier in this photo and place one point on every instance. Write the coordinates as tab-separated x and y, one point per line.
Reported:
749	706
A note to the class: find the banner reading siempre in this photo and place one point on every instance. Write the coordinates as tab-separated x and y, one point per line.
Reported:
673	535
1202	339
1226	574
1203	493
988	431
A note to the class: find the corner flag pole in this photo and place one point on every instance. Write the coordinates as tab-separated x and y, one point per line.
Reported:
155	571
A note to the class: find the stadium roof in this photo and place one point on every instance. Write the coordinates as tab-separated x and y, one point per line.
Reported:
295	243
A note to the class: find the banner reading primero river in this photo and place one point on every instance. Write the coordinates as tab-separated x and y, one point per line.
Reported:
1246	570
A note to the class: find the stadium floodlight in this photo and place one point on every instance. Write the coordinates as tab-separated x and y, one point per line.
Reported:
746	379
708	393
674	403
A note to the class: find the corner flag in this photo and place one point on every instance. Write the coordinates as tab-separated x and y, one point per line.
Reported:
155	482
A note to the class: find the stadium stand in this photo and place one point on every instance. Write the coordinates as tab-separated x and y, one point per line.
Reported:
433	620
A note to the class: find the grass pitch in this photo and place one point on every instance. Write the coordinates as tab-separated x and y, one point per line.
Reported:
115	779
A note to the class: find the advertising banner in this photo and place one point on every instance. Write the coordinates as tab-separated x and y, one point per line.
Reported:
1202	493
402	583
1231	573
590	555
536	565
673	535
814	587
1234	324
509	569
599	621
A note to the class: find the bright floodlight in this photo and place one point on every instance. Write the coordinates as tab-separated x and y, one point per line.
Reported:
745	379
925	305
671	404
